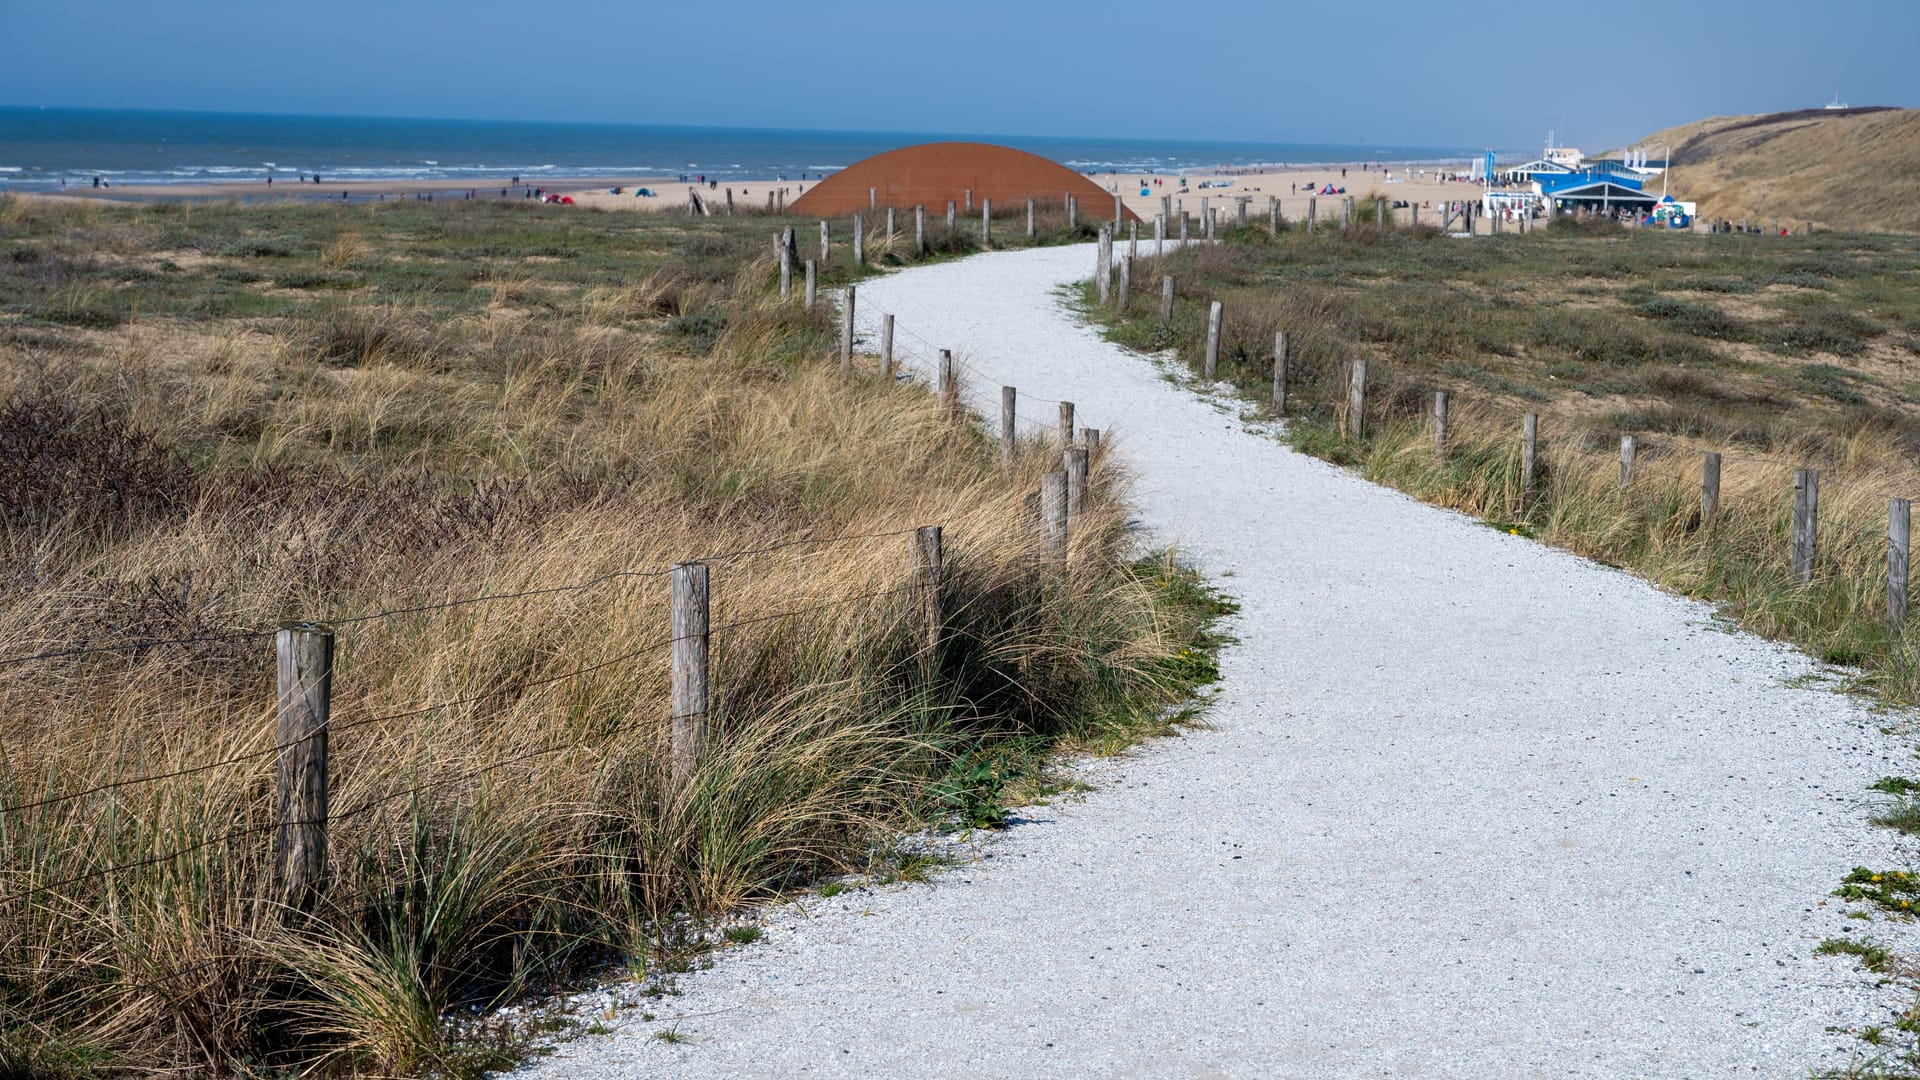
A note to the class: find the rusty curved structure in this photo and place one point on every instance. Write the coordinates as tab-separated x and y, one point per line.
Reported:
931	174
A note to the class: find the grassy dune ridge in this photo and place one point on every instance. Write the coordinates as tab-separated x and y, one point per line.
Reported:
1775	353
218	418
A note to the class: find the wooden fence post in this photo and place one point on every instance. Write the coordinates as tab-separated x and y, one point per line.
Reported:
919	230
886	348
1073	212
1032	230
859	238
1009	400
950	216
813	285
931	559
1053	510
1529	443
1629	450
969	200
1709	486
986	222
1103	272
1380	212
303	667
949	384
1183	228
1166	300
846	333
1899	531
1125	296
1806	523
1133	239
873	198
1076	466
826	243
1357	400
1090	438
1415	216
1440	424
786	272
1279	373
689	629
1240	211
1313	212
1213	338
890	229
1066	426
1273	214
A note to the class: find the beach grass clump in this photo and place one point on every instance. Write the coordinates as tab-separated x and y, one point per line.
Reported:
548	410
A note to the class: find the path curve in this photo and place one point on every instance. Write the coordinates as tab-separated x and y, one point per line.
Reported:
1473	807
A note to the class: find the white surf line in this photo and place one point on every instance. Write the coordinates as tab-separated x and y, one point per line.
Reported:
1472	807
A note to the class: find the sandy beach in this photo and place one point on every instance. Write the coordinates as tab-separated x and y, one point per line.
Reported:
1293	186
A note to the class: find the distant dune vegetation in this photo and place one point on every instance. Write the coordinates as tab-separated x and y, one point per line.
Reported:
1839	168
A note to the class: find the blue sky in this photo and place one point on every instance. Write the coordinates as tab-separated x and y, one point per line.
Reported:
1314	71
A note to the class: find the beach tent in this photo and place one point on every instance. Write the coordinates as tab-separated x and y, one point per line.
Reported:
646	192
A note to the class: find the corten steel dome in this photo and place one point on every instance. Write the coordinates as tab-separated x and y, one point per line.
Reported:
932	173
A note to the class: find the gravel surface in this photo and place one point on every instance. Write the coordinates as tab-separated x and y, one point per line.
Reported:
1471	807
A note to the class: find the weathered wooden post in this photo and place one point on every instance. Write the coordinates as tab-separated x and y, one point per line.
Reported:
919	230
1240	211
813	284
1211	217
1073	213
1357	400
846	333
826	243
1076	467
1709	486
1090	439
1899	531
1529	441
1126	284
1313	212
1033	230
1279	373
1440	424
1183	228
1103	268
1380	212
1629	450
1009	439
1159	236
1414	207
1133	239
1806	523
303	667
1213	339
930	558
890	229
986	222
1065	435
1166	300
886	348
873	198
859	239
786	272
969	200
688	730
951	216
1053	511
1273	214
949	383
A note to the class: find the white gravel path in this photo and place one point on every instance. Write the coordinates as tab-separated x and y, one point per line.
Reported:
1473	807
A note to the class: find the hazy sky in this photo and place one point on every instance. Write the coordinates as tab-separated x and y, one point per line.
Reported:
1420	72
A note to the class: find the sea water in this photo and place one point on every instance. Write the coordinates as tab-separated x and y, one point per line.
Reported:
41	147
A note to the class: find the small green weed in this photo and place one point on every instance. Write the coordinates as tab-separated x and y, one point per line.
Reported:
744	935
1892	890
1873	956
